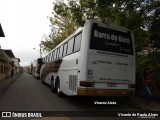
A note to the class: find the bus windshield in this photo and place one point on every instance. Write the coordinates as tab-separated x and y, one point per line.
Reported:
111	40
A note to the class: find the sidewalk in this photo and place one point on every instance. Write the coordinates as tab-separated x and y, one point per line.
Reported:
7	82
140	103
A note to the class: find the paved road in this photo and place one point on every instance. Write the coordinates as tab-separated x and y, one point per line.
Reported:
29	94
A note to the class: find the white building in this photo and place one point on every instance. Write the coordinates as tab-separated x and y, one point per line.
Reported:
16	65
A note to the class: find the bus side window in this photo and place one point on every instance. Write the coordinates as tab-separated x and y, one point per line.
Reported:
70	46
61	51
53	55
65	49
77	42
46	59
55	52
49	57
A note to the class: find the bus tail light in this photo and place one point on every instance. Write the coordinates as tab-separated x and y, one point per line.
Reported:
86	84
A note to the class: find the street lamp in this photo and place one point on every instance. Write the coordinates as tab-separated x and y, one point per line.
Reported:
40	51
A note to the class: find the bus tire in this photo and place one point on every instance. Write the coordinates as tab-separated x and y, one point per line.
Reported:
53	88
59	93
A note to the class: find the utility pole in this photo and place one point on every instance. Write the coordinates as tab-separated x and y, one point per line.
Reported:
40	50
1	34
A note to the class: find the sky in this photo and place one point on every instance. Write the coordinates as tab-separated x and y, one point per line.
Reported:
24	24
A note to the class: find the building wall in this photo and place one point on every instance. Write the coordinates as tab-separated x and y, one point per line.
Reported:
5	67
5	70
16	68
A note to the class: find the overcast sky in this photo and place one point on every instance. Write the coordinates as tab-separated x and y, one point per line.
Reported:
24	23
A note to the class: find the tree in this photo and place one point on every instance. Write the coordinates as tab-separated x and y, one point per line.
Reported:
132	14
92	9
62	25
154	31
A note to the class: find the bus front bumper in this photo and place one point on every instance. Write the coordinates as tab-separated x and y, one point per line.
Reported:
104	92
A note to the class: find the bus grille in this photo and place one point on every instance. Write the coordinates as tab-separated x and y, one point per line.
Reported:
72	82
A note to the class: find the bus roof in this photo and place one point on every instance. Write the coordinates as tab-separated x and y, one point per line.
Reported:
99	23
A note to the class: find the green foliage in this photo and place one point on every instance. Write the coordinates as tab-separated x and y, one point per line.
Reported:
154	30
150	60
140	17
132	14
92	9
62	25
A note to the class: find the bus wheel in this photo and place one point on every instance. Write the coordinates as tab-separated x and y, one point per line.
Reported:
59	93
52	85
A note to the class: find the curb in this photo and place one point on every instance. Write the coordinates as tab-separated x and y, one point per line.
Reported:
136	106
140	106
8	84
130	103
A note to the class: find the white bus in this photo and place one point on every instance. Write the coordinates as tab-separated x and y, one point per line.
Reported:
36	67
96	60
